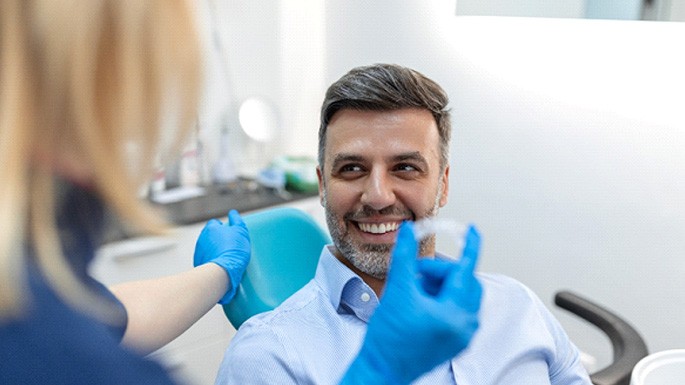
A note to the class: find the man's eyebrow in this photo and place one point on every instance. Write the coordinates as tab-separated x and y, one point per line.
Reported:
415	156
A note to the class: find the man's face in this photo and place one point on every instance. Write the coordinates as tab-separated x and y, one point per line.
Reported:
380	168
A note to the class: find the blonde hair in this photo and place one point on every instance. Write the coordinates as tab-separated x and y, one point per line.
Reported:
90	79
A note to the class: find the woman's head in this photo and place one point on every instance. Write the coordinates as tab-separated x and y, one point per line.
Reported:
85	87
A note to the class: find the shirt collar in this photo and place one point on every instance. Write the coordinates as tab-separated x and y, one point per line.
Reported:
348	293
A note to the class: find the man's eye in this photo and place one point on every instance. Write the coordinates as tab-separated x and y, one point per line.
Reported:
405	167
350	168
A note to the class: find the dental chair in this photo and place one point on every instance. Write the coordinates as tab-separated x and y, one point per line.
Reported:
287	242
628	345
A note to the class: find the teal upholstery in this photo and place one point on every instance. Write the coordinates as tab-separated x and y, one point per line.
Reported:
286	244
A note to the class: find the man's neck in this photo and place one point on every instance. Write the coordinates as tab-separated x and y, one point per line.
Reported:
376	284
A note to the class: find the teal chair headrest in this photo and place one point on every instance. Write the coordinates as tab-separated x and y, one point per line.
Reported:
286	244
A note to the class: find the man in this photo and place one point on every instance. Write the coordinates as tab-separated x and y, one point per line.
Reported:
383	159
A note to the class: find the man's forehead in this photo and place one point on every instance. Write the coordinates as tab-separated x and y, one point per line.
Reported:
395	133
349	114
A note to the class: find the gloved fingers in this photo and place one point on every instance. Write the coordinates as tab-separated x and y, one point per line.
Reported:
469	257
434	267
403	261
466	264
462	290
461	285
433	273
203	243
211	227
234	218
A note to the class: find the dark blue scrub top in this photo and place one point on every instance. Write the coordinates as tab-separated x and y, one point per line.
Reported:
52	343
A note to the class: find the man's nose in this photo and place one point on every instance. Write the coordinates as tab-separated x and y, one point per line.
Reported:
378	191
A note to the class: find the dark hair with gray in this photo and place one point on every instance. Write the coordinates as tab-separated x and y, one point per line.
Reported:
382	87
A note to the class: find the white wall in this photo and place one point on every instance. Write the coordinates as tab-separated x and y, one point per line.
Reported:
677	10
566	151
567	136
268	49
241	42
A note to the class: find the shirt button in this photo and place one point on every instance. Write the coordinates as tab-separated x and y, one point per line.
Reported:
365	297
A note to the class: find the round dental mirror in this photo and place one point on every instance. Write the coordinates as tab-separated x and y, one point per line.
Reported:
258	118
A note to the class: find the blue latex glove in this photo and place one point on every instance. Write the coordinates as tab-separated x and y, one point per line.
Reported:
227	245
427	314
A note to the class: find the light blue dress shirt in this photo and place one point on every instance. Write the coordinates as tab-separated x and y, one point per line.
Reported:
316	333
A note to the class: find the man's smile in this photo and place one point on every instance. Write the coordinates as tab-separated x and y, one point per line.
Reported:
378	228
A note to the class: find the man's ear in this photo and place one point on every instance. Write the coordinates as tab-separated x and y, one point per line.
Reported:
445	186
319	176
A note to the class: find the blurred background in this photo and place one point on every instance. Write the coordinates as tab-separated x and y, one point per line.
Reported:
568	127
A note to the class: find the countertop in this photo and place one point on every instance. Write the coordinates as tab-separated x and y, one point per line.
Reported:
215	203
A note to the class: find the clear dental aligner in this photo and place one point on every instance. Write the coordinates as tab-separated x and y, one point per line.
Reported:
452	229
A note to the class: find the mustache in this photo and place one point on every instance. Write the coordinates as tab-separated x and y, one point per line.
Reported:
366	212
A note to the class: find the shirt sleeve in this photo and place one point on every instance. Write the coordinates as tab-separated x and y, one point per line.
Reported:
256	356
119	329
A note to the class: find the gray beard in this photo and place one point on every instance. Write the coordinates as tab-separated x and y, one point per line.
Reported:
371	259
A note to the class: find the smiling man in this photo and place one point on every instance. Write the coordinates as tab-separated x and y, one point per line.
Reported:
383	159
379	168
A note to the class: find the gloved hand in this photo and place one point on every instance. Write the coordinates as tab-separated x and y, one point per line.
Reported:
427	314
227	245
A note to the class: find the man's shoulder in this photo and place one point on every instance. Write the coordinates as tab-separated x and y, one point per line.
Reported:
297	340
307	302
497	280
502	288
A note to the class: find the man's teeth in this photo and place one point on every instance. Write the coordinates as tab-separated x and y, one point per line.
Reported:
381	228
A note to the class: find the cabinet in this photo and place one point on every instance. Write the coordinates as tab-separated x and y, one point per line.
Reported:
194	357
